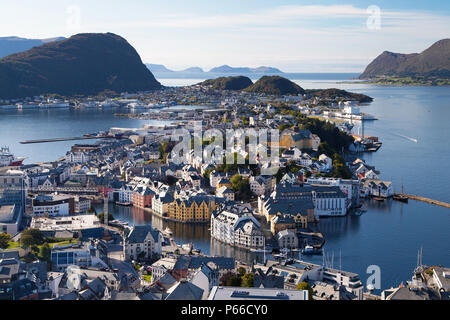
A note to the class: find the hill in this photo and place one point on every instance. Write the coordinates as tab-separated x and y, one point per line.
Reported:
155	68
83	64
337	94
433	62
11	45
228	83
275	85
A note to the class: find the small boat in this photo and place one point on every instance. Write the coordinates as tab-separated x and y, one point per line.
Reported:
310	250
400	197
379	199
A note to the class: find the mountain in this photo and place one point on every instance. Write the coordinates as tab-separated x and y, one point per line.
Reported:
222	71
193	70
228	83
228	69
10	45
155	68
275	85
85	64
433	62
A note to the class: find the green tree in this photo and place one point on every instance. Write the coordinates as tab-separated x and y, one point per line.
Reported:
4	240
45	252
305	286
32	237
101	216
248	280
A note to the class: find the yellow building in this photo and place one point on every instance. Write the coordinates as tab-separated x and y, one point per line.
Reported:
303	139
194	209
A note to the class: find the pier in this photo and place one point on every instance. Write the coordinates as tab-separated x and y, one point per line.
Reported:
427	200
66	139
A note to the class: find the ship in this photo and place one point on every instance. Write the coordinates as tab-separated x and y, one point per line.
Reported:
7	159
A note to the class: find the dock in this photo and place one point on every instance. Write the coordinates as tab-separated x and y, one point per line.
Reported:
427	200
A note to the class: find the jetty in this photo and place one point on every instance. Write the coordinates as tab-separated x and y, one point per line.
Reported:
423	199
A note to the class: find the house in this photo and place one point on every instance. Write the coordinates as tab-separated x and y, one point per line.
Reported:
303	140
292	153
262	185
10	219
206	278
142	242
376	188
225	192
184	290
287	239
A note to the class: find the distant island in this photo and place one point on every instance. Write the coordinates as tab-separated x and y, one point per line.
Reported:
162	71
11	45
431	67
84	64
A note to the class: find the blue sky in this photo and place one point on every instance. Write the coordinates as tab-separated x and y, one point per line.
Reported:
295	36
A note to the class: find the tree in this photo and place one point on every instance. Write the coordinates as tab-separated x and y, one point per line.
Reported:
248	280
230	279
241	271
101	216
4	240
305	286
45	252
32	237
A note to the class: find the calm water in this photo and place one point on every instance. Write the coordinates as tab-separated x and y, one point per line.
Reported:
388	235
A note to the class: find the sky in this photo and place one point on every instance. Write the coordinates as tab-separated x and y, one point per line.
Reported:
295	36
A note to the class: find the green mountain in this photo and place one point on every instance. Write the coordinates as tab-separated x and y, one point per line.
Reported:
275	85
228	83
83	64
338	94
433	62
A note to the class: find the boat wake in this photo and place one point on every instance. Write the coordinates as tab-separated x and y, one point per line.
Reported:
408	138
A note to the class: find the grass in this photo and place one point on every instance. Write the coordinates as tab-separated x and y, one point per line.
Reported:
147	277
13	245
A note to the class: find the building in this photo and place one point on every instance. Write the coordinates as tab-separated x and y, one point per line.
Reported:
206	277
351	188
287	239
88	254
53	205
235	225
161	202
262	185
142	197
238	293
82	205
10	219
303	140
192	209
225	192
142	242
13	189
328	201
376	188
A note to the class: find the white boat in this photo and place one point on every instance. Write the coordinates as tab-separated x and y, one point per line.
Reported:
8	159
24	106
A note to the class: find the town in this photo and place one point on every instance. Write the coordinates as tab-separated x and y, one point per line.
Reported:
267	199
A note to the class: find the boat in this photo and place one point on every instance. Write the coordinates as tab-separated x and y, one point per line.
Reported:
7	159
379	199
310	250
400	196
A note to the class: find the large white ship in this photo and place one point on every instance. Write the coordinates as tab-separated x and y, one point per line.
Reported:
8	159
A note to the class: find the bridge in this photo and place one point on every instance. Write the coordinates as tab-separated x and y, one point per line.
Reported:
427	200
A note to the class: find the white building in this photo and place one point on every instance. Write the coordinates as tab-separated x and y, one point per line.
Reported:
236	226
142	241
